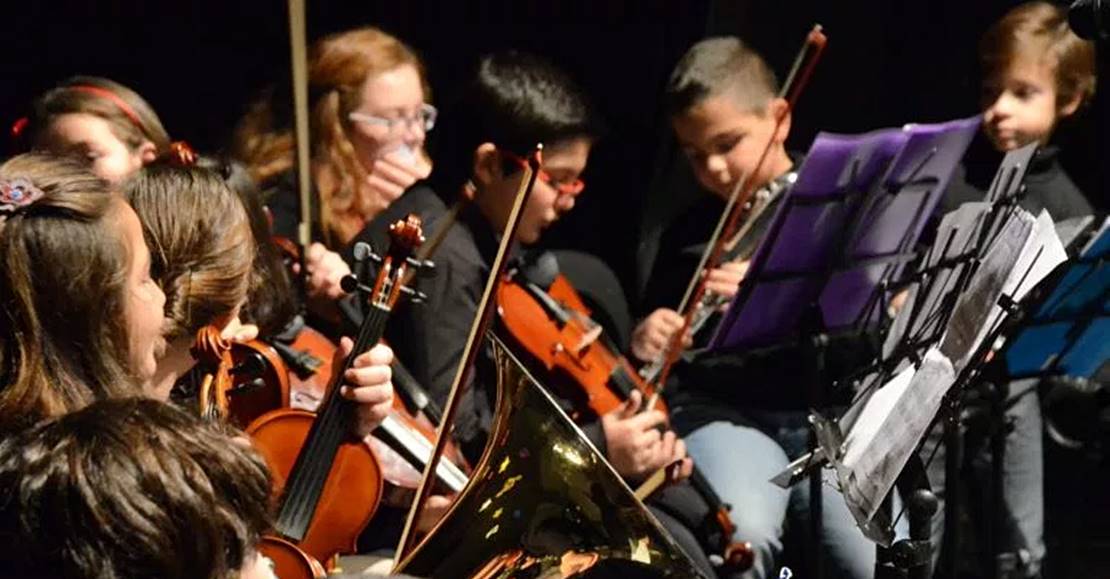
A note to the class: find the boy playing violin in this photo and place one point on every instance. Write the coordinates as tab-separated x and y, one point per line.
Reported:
513	102
722	102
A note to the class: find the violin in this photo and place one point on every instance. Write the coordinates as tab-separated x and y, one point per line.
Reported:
329	483
547	317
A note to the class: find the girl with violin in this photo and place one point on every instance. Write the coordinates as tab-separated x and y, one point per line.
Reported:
84	319
98	119
723	108
369	116
513	102
203	259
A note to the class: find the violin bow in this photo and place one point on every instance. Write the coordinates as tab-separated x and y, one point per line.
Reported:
299	56
487	306
796	81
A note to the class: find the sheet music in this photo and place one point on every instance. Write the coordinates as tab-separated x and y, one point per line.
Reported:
896	417
886	434
977	306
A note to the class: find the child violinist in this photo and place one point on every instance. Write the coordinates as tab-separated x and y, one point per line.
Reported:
84	317
722	103
203	258
512	102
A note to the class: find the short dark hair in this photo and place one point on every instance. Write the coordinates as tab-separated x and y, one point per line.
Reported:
514	100
716	66
129	487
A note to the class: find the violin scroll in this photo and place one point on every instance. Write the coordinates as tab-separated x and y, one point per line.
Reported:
213	352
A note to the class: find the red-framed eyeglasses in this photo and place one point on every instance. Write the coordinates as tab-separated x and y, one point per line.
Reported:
571	188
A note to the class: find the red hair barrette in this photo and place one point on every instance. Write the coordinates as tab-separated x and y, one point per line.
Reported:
180	154
19	126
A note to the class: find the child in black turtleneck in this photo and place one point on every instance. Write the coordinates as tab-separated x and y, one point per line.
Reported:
1037	73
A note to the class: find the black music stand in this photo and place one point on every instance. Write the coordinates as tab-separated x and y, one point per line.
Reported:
842	235
939	288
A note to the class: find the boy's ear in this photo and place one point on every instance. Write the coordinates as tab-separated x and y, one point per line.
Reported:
487	164
778	107
1068	109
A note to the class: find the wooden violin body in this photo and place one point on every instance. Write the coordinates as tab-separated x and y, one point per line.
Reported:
558	332
290	562
553	325
350	494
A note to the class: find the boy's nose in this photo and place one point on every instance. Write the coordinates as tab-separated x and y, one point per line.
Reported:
1001	107
564	203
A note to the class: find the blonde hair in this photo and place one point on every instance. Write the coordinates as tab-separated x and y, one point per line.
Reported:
1037	29
338	67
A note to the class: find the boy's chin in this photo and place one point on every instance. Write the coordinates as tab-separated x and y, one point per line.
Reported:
1007	143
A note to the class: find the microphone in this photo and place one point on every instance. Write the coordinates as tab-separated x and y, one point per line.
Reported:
1090	19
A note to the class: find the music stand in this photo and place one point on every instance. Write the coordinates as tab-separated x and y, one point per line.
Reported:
976	233
842	234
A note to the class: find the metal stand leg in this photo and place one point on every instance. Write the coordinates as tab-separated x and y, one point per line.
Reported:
911	558
816	506
953	459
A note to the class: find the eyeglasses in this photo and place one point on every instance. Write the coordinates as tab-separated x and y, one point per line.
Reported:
426	118
571	188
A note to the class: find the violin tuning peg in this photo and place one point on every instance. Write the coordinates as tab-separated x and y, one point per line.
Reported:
423	266
415	296
362	252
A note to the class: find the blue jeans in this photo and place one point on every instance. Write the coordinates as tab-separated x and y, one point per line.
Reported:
1023	479
739	461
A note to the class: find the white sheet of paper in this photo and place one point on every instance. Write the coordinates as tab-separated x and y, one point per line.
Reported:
873	458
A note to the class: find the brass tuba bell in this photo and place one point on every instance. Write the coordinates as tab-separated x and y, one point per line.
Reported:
542	502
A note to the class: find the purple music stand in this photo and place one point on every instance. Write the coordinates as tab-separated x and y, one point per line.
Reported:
844	230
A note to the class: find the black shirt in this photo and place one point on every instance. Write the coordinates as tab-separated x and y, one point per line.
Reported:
1047	185
711	386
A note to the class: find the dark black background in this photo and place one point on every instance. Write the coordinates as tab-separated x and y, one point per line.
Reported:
200	62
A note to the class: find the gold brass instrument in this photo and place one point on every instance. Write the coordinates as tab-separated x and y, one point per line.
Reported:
542	502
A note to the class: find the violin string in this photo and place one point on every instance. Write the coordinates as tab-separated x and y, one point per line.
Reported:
333	420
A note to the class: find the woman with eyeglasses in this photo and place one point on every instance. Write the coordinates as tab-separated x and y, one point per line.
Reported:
369	116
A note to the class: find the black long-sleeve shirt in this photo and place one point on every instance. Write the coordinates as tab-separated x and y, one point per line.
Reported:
1047	184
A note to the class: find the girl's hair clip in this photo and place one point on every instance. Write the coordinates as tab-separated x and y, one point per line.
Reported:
180	154
19	127
16	195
